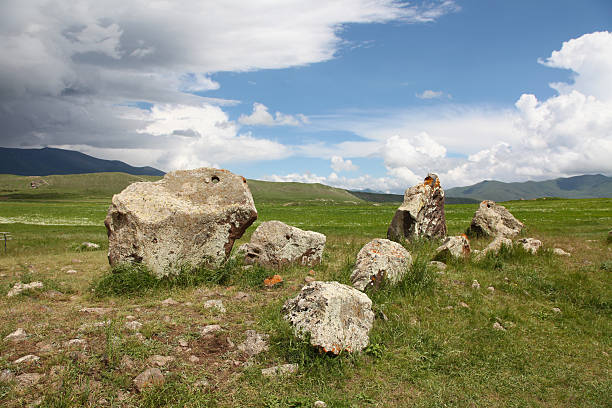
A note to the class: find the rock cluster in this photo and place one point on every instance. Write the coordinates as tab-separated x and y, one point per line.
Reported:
494	220
530	244
275	244
189	217
334	316
380	260
422	212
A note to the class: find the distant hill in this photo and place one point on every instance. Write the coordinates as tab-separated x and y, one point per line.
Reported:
47	161
398	198
586	186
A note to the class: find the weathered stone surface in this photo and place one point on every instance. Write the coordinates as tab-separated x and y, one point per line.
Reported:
283	369
188	217
20	287
215	304
16	336
133	325
456	247
27	359
7	376
210	329
149	378
422	212
160	361
254	343
275	244
337	317
492	220
440	266
90	245
380	260
561	252
29	379
530	244
494	246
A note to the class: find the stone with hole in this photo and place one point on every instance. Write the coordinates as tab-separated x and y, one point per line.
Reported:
190	217
380	260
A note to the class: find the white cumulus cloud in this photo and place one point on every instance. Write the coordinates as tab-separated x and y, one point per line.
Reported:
429	94
261	117
338	164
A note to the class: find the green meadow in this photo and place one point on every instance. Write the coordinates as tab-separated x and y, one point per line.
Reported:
435	347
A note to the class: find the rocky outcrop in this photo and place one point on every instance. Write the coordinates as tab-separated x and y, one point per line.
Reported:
275	244
456	247
494	220
190	217
335	317
380	260
422	212
530	244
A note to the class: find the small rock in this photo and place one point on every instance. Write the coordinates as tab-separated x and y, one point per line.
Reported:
90	245
456	246
44	347
96	310
491	289
530	244
53	294
183	343
126	362
498	326
254	344
273	281
309	279
279	370
89	326
16	336
122	395
560	252
30	358
169	302
242	295
209	329
133	325
449	307
440	266
319	404
148	378
475	284
19	287
71	271
28	379
215	304
201	383
7	376
556	310
194	359
463	304
130	317
75	342
160	361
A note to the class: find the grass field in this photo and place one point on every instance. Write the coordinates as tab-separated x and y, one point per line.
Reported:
431	352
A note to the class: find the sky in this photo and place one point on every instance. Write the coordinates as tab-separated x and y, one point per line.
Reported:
358	94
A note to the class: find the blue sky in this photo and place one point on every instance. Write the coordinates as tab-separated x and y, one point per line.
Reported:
351	93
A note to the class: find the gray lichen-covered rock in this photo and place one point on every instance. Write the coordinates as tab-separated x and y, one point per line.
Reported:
456	247
380	260
530	244
494	220
336	317
188	217
422	212
275	244
561	252
495	246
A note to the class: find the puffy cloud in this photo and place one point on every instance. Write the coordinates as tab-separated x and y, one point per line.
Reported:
261	116
429	94
338	164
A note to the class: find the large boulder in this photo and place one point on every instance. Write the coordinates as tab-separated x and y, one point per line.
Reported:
422	212
335	317
456	247
275	244
494	220
380	260
189	217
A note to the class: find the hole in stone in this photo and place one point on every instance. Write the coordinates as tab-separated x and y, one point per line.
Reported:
214	179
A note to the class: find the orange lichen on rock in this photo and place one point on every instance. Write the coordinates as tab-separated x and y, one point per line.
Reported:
274	280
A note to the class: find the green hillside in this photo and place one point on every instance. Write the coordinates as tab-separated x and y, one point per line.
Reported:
587	186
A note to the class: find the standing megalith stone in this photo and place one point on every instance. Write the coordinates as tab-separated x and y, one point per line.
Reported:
275	244
494	220
380	260
190	217
422	212
335	317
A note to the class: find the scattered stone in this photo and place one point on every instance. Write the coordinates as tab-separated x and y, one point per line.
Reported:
75	342
273	281
101	311
130	317
275	244
561	252
19	287
71	271
188	217
495	246
89	326
491	289
475	284
183	343
242	296
449	307
149	378
309	279
230	343
16	336
194	359
456	247
494	220
169	302
201	384
380	260
133	325
556	310
422	212
215	304
336	317
464	305
53	294
29	379
30	358
498	326
283	369
530	244
210	329
126	362
319	404
440	266
90	245
7	376
160	361
254	344
44	348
